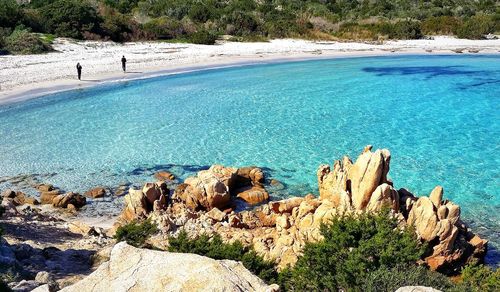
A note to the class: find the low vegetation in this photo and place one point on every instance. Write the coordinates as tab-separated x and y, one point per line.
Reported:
214	247
136	233
203	21
356	247
363	253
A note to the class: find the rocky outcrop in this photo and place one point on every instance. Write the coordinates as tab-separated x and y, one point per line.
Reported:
209	189
138	203
279	230
133	269
350	186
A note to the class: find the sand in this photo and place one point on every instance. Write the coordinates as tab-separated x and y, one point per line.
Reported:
28	76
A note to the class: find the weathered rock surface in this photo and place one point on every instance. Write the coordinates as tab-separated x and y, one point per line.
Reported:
133	269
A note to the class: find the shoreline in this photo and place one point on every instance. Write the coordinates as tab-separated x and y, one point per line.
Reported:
200	58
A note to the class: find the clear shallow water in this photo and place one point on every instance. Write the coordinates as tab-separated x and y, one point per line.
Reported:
439	116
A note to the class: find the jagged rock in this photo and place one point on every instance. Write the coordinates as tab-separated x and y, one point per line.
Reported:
253	195
436	196
46	197
95	193
135	205
149	270
333	184
424	218
164	176
62	201
368	172
453	212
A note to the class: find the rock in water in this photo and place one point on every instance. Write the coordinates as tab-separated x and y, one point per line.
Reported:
95	193
134	269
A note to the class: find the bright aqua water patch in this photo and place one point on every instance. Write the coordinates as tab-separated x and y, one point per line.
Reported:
439	116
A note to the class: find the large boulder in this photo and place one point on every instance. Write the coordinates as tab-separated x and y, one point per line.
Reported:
253	195
209	189
75	199
133	269
368	172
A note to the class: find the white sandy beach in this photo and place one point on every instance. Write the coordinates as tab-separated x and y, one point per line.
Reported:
22	77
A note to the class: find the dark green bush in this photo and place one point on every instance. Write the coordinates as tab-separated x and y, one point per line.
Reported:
70	18
353	247
24	42
164	28
123	6
10	13
203	37
406	30
213	247
136	233
476	27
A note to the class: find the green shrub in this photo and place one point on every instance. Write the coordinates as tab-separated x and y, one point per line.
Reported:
10	13
24	42
479	279
406	30
136	233
203	37
353	247
440	25
124	6
164	28
390	279
70	18
214	247
476	27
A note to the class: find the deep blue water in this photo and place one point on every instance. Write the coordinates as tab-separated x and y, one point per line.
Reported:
439	116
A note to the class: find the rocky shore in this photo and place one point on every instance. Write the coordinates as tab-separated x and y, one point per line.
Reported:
43	247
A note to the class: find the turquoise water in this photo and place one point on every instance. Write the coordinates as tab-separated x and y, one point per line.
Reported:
439	116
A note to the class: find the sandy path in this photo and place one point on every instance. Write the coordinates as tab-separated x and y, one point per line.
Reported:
22	77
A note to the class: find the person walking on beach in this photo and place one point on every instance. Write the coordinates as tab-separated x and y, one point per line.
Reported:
124	63
79	70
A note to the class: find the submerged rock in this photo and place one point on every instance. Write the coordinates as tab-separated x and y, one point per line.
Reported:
149	270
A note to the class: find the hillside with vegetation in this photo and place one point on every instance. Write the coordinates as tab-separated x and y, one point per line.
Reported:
245	20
